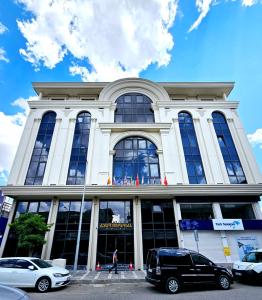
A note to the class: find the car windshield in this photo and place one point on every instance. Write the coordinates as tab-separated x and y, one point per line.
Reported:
41	263
253	257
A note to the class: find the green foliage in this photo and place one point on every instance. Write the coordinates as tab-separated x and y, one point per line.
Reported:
30	230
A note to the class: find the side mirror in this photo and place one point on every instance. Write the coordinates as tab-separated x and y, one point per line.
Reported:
32	268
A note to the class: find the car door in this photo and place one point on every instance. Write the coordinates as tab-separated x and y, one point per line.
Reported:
6	269
204	268
23	276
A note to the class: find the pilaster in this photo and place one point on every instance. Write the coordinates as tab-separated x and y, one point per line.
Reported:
90	154
138	241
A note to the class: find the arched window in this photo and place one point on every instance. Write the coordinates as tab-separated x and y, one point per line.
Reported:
136	156
234	168
195	170
134	108
36	170
77	165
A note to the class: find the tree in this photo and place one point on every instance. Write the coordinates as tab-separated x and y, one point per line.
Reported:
30	230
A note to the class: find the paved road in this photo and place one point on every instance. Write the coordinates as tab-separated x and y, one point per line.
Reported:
143	290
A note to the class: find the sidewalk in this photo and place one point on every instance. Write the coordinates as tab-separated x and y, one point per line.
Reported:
94	277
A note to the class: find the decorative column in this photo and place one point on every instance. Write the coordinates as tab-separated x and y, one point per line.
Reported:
103	163
161	163
218	215
47	247
110	163
67	151
177	214
203	151
221	170
52	153
10	220
90	154
93	234
26	147
180	235
138	241
242	152
179	157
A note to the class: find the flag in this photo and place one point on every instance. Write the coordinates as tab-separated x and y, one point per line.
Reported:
165	181
137	180
114	181
142	181
108	180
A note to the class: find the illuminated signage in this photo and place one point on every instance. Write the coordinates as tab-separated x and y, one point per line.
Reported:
115	226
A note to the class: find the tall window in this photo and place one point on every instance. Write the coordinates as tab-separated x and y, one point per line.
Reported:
65	237
134	108
77	165
136	156
234	168
36	170
195	170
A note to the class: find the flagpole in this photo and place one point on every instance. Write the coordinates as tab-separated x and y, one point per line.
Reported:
80	223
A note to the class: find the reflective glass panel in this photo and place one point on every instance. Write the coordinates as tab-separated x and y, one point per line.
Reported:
197	211
233	166
195	170
134	108
36	170
237	211
135	157
77	164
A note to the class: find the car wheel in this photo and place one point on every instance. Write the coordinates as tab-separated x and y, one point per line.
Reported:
172	285
223	282
43	284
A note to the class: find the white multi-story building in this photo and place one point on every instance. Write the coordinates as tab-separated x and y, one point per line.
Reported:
159	164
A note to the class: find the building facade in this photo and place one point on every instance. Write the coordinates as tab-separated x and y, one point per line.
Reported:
157	164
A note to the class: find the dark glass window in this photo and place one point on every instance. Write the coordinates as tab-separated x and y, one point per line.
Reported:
136	156
77	165
197	211
237	211
134	108
195	170
158	225
36	170
233	166
65	237
200	260
42	208
171	258
120	238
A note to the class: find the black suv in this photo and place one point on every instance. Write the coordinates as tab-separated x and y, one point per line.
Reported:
173	267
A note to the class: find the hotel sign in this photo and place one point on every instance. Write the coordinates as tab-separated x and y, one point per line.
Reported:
115	226
227	224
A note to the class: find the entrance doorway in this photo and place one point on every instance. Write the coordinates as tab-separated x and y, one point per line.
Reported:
115	231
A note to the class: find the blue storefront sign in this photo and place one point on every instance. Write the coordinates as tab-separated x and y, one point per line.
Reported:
191	224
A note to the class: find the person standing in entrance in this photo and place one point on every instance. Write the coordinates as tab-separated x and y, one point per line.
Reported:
114	262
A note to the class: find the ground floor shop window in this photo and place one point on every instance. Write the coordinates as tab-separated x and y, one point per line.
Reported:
115	231
196	211
37	207
237	211
65	236
158	225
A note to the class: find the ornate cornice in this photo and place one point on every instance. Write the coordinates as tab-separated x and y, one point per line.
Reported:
120	127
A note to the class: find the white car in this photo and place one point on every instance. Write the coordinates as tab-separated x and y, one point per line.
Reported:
32	272
250	268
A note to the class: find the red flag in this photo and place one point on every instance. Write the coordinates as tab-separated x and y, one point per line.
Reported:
165	181
137	180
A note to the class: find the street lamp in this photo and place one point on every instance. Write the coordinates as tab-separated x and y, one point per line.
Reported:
80	223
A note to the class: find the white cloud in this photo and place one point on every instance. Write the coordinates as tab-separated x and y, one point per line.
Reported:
11	127
3	55
256	138
248	2
2	28
203	7
112	39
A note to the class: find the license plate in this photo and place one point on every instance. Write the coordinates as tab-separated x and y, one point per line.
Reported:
238	274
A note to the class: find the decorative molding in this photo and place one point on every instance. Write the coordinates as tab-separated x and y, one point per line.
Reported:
209	120
112	152
157	191
148	127
72	119
230	120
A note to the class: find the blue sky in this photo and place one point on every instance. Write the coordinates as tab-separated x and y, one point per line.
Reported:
160	40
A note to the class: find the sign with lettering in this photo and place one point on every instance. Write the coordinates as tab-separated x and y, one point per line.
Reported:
115	226
227	224
227	251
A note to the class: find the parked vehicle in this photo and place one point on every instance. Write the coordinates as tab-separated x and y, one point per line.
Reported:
32	272
250	268
11	293
172	268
